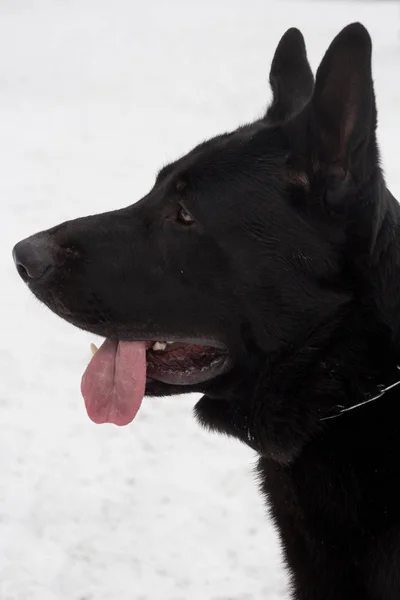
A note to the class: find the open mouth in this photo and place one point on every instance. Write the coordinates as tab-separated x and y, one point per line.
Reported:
114	382
177	363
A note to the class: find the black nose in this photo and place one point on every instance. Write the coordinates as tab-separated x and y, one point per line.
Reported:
33	257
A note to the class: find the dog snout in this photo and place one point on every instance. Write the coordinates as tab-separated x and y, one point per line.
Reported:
33	257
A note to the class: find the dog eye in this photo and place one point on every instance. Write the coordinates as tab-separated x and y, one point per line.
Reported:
184	216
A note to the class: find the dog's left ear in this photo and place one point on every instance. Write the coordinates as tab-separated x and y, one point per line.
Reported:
343	115
291	78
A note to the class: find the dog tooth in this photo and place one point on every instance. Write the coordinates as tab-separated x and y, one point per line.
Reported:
159	346
93	348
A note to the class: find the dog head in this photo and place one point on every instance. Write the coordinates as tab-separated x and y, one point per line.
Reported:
237	254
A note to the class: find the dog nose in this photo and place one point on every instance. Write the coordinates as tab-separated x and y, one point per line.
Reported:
33	257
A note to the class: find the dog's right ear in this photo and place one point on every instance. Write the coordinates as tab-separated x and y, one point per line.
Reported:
291	78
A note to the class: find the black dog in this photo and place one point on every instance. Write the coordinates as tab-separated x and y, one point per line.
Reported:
269	258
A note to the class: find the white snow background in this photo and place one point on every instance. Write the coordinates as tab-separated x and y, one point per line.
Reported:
95	96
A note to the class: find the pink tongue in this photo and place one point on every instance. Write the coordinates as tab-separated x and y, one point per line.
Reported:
114	382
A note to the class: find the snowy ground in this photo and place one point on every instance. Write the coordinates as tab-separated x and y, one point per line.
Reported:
95	95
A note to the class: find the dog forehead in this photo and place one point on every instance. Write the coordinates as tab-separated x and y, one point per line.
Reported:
255	146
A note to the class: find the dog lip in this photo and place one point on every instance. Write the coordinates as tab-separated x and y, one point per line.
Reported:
219	366
138	334
150	339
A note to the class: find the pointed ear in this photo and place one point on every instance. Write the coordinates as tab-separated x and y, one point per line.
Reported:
343	106
291	78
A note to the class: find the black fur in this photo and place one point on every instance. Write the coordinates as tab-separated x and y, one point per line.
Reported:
293	262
